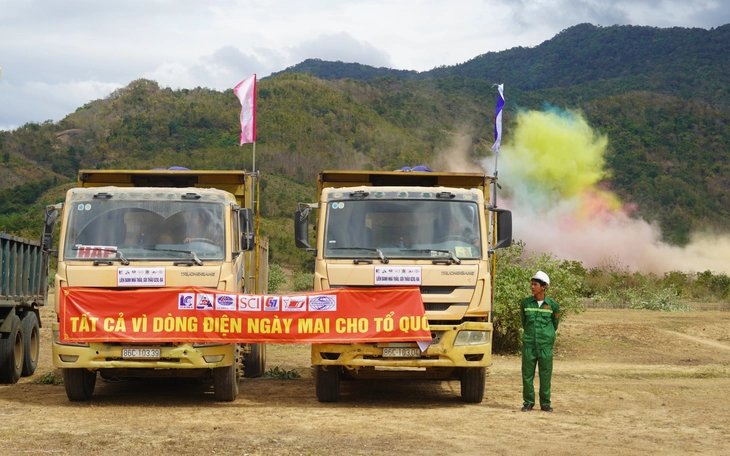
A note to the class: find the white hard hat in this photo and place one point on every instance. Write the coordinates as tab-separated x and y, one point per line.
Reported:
542	277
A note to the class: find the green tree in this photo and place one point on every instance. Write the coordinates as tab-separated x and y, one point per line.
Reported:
512	285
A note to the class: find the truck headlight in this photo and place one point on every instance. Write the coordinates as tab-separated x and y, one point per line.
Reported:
210	359
472	338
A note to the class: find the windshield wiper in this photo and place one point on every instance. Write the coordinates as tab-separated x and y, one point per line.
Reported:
122	258
383	258
452	256
196	260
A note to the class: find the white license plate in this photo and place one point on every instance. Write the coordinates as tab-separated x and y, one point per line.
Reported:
401	353
140	353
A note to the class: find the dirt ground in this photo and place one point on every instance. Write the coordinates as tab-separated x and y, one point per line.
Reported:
624	382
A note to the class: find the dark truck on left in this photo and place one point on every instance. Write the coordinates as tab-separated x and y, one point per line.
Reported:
23	290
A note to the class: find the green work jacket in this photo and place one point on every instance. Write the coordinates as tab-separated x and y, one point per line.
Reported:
539	322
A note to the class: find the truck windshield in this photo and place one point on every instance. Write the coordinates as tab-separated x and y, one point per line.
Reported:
403	229
144	230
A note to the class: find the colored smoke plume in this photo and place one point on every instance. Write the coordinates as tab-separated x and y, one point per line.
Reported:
551	168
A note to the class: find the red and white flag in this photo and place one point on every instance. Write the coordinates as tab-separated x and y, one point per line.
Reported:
246	93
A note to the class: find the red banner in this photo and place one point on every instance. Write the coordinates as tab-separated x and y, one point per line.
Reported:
191	314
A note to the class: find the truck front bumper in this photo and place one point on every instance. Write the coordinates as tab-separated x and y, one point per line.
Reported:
98	355
443	352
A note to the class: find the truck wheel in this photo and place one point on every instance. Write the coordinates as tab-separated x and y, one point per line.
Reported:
79	384
328	383
473	380
31	343
225	383
254	362
11	352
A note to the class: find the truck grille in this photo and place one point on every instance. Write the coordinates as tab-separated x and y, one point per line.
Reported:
437	290
436	306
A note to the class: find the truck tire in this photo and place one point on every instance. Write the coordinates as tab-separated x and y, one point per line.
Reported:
328	383
254	362
11	352
79	384
225	383
473	380
31	343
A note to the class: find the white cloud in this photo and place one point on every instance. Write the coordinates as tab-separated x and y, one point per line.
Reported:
54	101
341	47
87	46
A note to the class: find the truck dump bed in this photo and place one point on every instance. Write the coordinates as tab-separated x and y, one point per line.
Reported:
401	179
237	183
23	277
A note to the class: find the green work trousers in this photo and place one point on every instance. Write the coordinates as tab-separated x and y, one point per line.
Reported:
543	359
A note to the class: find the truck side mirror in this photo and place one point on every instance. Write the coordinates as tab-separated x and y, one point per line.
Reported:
504	228
301	224
245	222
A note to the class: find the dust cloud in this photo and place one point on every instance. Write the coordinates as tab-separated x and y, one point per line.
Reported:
456	159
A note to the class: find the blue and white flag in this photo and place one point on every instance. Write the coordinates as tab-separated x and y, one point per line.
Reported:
498	120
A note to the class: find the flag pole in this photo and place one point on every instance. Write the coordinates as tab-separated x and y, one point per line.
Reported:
495	148
497	139
246	93
256	230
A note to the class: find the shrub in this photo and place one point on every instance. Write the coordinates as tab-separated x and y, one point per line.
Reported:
276	279
303	281
512	285
282	374
648	296
51	378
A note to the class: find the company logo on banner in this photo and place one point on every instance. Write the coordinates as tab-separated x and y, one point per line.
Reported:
192	314
186	302
250	303
320	303
271	303
204	301
294	303
225	302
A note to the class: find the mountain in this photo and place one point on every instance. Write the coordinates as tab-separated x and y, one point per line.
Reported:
684	62
662	97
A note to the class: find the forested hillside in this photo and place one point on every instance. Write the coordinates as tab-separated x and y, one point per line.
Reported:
690	63
662	97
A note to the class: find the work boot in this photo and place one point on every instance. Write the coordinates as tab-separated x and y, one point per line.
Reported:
527	407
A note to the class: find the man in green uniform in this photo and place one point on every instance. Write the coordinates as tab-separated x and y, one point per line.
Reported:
540	318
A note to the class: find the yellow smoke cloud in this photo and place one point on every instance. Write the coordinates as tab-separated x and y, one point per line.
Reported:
557	156
551	168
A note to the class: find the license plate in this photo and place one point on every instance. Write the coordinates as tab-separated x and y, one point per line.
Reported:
141	353
401	353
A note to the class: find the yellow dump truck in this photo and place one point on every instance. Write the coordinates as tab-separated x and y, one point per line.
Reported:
193	228
434	230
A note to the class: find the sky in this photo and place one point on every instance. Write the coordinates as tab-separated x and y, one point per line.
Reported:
56	56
